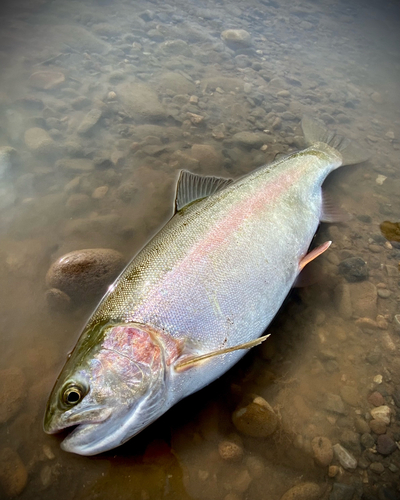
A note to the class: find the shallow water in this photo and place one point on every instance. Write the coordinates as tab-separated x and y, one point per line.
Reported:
169	93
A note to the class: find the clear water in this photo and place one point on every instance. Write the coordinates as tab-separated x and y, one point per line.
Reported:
338	61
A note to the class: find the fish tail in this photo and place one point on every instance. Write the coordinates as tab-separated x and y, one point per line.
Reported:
315	131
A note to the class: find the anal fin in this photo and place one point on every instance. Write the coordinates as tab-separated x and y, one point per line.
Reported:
192	360
331	212
314	254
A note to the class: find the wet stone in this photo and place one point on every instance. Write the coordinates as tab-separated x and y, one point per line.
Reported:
376	399
85	272
75	165
364	299
381	413
377	467
396	396
377	426
385	445
341	491
303	491
89	121
334	404
350	395
384	293
46	80
354	269
236	39
12	393
367	440
346	459
351	441
39	141
78	203
249	140
323	451
13	474
257	419
231	450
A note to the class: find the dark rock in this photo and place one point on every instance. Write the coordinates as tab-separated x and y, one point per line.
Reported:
367	440
376	399
396	396
354	269
385	445
334	404
342	491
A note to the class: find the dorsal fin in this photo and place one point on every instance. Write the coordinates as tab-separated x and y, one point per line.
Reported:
191	187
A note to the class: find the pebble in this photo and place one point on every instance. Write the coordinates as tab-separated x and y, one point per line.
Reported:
241	481
367	440
376	399
377	467
231	450
385	445
46	80
377	426
12	393
89	121
13	474
381	413
303	491
207	156
334	404
341	491
353	269
249	140
333	470
100	192
346	459
255	466
39	141
323	451
236	39
257	419
141	102
350	395
384	293
86	272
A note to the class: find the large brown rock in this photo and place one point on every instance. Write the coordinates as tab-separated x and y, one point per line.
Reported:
85	273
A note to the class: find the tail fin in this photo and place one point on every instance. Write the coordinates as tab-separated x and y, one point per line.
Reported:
315	131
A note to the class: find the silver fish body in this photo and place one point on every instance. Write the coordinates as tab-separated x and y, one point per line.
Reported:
212	278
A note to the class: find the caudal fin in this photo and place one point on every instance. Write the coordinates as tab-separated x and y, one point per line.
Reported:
315	131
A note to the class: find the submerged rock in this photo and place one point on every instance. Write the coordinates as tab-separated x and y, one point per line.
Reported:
141	102
13	474
85	273
46	80
353	269
39	141
303	491
346	459
89	121
257	419
236	39
323	451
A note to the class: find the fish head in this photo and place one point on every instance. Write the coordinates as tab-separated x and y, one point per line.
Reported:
112	387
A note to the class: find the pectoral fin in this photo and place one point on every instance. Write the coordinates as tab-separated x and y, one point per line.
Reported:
314	254
192	360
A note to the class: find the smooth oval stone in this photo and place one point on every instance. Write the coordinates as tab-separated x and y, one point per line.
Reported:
85	273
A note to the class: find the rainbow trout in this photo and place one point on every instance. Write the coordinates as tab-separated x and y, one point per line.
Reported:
199	294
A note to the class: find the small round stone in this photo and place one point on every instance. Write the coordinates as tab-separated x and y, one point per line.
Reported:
13	474
377	426
377	467
323	451
111	96
303	491
230	451
385	445
257	419
376	399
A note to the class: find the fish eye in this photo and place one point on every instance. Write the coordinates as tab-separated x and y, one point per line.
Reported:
72	394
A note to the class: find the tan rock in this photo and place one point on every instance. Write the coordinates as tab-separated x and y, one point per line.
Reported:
303	491
39	141
322	450
364	299
13	474
257	419
46	80
209	159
